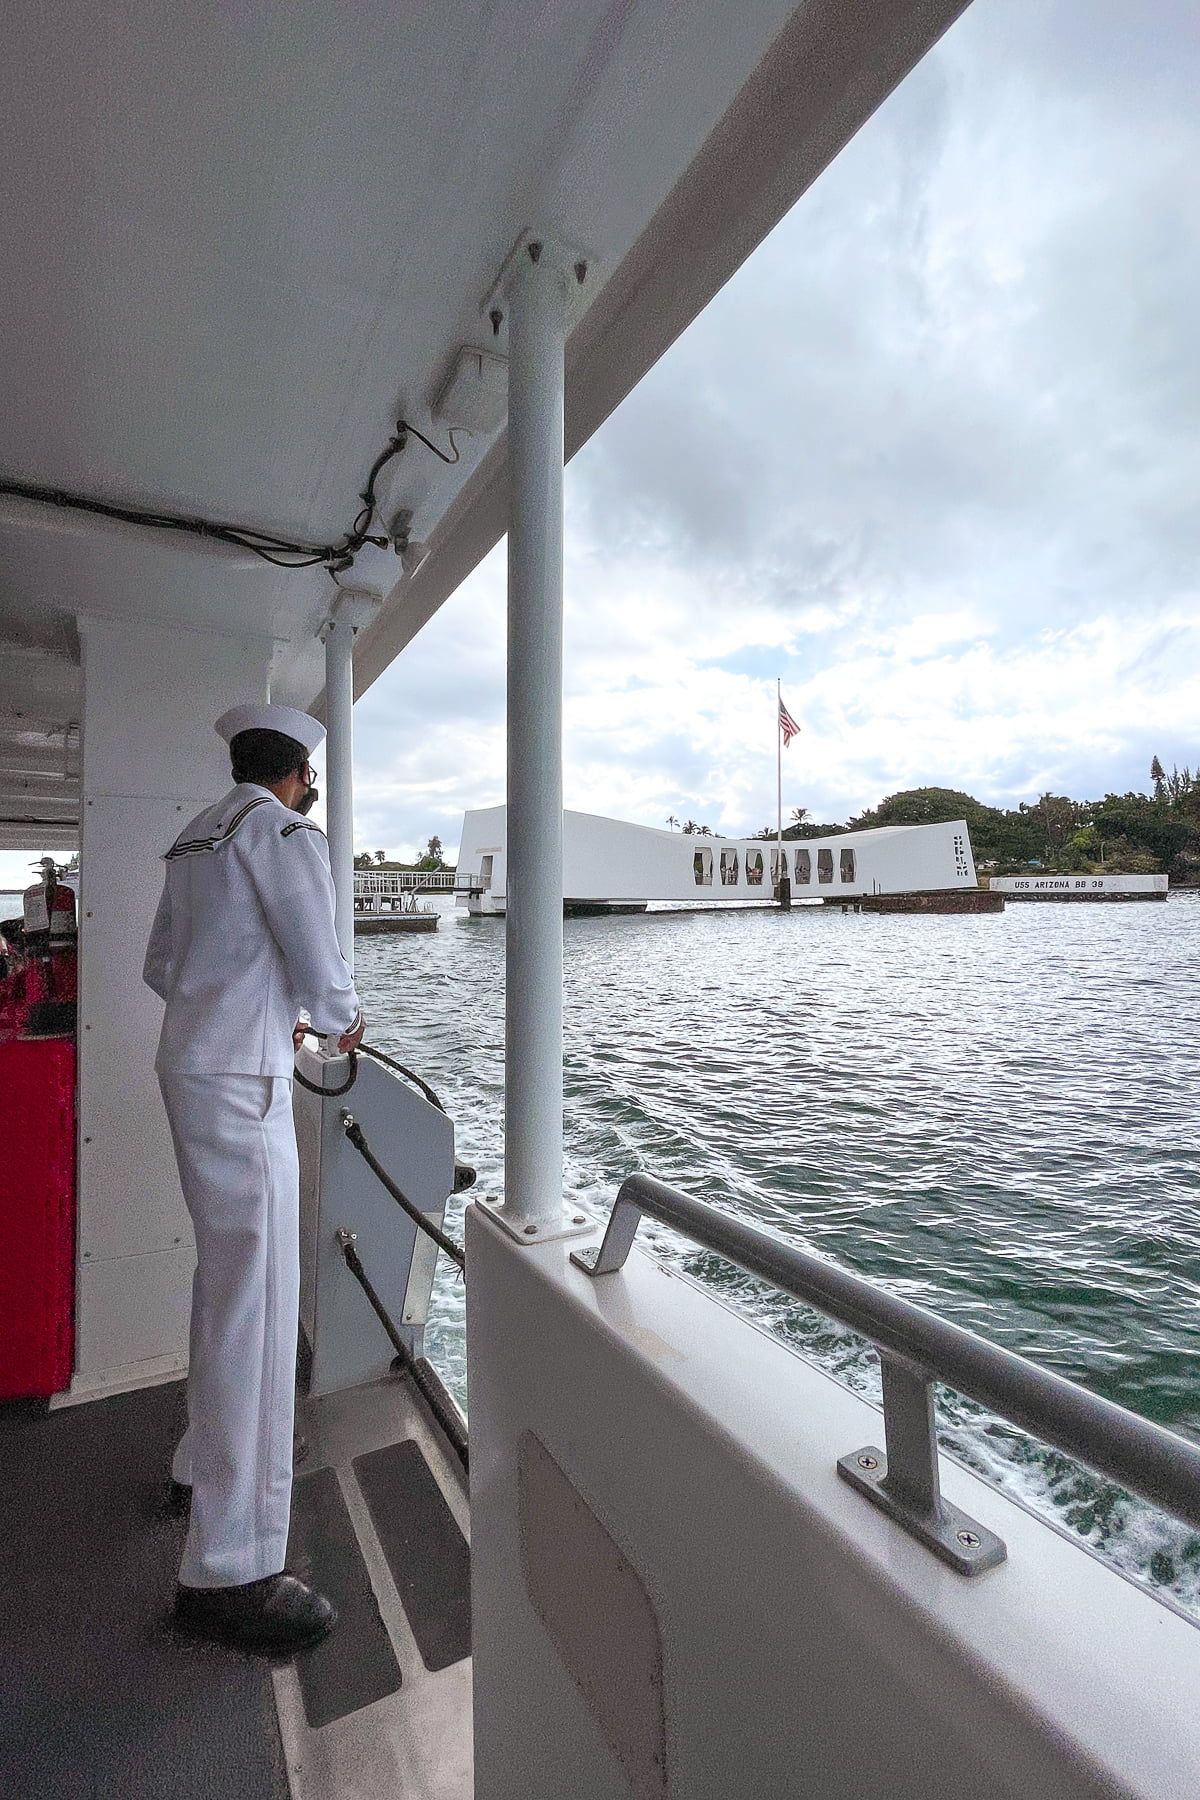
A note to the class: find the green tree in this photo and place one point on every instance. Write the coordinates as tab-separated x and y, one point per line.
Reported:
1154	828
993	836
808	828
1179	788
919	806
813	828
1055	818
432	859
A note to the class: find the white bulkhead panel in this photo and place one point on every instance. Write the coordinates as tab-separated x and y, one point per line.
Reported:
812	1649
151	760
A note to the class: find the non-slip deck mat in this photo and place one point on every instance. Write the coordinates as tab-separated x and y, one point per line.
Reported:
426	1551
99	1698
356	1664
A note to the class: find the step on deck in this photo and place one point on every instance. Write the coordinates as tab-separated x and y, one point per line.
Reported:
103	1700
381	1497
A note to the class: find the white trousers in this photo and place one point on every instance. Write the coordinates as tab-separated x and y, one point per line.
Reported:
236	1148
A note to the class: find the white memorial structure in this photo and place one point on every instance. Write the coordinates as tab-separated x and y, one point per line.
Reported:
607	862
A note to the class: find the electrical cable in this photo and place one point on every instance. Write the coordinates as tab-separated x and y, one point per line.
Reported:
432	446
261	543
336	558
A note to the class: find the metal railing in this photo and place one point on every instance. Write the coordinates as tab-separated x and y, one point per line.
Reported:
916	1348
391	883
386	882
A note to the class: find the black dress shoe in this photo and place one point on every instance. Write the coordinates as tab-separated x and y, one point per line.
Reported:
178	1500
278	1614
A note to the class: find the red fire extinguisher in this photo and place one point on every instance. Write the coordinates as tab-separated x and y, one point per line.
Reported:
50	948
64	963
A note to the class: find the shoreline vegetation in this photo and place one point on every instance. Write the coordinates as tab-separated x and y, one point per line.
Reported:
1122	834
429	864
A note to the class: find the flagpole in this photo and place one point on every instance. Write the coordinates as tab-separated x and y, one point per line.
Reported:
784	886
779	767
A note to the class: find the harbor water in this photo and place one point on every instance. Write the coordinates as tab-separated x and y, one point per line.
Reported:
993	1116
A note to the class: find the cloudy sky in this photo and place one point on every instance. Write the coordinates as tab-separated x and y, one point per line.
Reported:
931	457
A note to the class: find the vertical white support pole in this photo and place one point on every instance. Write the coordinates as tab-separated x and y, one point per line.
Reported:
339	775
355	607
533	1080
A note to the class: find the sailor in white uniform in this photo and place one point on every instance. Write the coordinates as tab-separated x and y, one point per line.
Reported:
242	942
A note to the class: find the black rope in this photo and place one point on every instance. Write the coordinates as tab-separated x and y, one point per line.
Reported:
378	1056
422	1372
331	1093
354	1264
455	1252
390	1062
464	1175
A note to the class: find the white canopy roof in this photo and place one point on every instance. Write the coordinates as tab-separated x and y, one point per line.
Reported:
240	243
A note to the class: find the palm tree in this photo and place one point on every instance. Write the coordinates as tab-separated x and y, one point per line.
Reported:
381	856
672	821
799	814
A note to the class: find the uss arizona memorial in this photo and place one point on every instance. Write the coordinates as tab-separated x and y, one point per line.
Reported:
607	862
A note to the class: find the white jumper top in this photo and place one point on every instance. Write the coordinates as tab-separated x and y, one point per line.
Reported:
244	939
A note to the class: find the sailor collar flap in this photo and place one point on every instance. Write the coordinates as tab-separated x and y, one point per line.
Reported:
194	846
200	844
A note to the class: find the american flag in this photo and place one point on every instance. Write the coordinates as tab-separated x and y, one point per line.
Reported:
787	724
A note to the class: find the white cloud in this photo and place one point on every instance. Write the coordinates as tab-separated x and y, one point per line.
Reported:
930	457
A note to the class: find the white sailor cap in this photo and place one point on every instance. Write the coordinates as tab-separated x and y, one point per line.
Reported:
286	719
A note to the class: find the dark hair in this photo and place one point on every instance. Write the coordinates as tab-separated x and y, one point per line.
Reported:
265	756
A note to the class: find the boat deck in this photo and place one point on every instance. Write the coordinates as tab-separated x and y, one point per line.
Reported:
103	1700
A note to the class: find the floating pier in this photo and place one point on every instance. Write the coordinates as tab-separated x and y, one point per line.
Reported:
373	924
386	899
965	900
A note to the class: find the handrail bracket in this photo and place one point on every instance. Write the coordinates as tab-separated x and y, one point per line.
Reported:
903	1480
609	1256
916	1348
